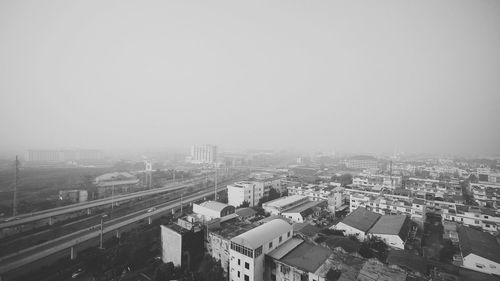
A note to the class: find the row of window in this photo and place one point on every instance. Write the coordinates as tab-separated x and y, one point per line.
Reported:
242	250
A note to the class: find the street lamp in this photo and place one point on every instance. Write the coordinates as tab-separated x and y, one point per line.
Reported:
100	240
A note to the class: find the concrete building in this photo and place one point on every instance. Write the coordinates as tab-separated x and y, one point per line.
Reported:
393	230
277	206
209	210
304	211
487	219
249	191
358	223
219	238
115	183
181	246
74	196
298	260
361	162
480	251
303	261
390	205
248	249
203	154
334	195
63	155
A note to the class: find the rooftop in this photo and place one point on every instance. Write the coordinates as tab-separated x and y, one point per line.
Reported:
306	229
245	212
479	243
392	224
285	248
361	219
232	228
284	200
307	257
115	176
256	237
303	207
214	205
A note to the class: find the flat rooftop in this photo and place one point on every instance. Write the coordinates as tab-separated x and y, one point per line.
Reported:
283	201
303	207
232	228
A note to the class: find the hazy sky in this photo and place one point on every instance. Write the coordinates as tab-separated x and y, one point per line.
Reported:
344	75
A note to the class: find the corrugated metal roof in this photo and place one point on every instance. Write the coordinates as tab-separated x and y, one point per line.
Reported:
479	243
285	248
214	205
361	219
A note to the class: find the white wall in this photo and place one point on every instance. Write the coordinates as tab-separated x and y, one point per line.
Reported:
472	261
171	246
348	230
235	196
391	240
294	217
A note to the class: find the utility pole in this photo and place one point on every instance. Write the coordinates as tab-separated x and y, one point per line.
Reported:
14	204
392	184
181	202
215	185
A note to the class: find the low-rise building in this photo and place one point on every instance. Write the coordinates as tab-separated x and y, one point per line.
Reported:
304	211
480	251
333	194
74	196
415	208
393	230
277	206
209	210
219	238
181	246
487	219
358	223
248	249
115	183
245	191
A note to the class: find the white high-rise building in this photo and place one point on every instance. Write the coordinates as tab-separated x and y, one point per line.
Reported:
246	262
203	154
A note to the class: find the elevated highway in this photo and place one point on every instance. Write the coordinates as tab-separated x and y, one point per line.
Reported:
69	242
46	214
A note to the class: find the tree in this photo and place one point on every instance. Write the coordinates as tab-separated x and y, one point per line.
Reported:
473	178
345	179
374	247
244	204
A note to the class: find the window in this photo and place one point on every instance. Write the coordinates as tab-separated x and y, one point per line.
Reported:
485	217
238	274
247	278
281	239
239	262
270	245
247	265
258	251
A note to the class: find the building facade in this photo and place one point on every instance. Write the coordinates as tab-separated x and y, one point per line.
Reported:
203	154
248	249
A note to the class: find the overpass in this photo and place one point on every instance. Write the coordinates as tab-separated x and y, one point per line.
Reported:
70	241
47	214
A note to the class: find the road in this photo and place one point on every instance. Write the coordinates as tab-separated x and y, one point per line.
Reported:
26	256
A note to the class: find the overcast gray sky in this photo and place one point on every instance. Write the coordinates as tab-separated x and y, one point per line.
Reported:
344	75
